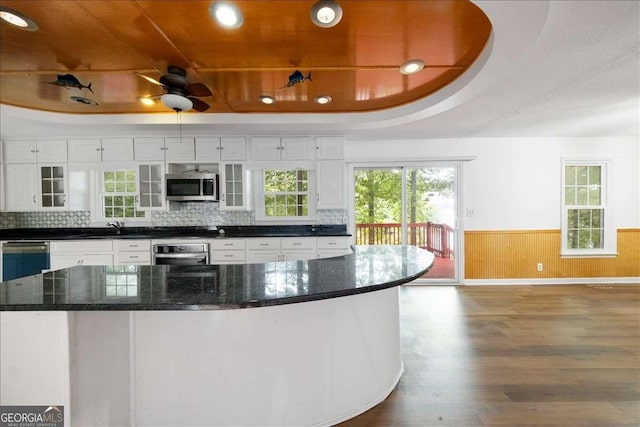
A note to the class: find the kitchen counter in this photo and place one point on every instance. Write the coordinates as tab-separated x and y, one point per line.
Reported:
303	343
215	287
171	232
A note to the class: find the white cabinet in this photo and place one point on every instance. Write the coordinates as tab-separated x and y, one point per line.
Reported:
227	251
272	249
21	187
234	187
328	247
151	186
100	150
179	149
329	147
330	186
27	151
214	149
289	148
81	252
132	252
161	149
35	186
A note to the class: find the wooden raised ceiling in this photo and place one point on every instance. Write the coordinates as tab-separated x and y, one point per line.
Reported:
106	43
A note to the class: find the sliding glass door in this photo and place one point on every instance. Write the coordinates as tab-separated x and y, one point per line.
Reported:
409	205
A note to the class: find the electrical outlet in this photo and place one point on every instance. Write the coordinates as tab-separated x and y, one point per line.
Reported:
471	212
539	266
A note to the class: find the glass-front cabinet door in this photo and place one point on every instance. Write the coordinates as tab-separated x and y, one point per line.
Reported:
232	187
53	192
150	187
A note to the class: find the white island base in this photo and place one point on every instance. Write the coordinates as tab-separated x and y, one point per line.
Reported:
313	363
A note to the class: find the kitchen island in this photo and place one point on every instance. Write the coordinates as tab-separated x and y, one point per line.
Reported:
288	343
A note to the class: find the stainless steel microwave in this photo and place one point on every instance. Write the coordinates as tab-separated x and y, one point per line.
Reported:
192	186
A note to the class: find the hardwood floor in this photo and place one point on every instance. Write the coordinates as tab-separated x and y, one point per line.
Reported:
516	356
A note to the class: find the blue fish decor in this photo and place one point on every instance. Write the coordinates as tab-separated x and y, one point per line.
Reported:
297	77
69	80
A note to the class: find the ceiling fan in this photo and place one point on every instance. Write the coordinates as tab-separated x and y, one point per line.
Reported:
181	95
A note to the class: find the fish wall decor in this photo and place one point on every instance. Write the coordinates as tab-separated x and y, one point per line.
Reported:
297	77
69	80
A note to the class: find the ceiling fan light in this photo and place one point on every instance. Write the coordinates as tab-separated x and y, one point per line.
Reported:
411	67
17	19
326	13
266	99
226	14
324	99
176	102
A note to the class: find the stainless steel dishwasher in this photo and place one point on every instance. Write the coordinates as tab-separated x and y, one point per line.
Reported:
20	259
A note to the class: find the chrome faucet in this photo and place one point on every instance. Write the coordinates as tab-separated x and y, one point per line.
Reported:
115	224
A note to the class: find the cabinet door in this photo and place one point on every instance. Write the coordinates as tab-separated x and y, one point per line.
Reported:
146	149
21	187
329	147
299	148
233	194
53	186
298	255
150	187
20	151
208	149
85	150
52	151
330	184
233	149
179	150
263	256
117	149
263	148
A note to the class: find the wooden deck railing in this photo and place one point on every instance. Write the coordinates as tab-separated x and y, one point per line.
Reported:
436	238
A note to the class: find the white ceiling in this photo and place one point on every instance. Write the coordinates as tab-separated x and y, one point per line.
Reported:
552	68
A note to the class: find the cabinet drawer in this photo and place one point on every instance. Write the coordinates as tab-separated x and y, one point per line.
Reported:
132	245
232	244
298	243
133	257
333	243
82	246
228	256
263	243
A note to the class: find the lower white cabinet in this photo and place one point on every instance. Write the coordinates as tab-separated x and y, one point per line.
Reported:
274	249
69	253
132	252
227	251
328	247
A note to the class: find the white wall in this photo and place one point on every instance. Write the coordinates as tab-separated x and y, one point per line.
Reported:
514	183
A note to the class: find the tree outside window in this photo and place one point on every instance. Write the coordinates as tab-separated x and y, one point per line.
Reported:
119	195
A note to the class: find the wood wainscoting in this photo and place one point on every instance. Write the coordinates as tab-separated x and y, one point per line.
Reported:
514	254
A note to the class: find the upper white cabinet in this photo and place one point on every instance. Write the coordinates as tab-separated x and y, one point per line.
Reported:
289	148
329	147
100	150
161	149
214	149
330	184
28	151
36	186
233	186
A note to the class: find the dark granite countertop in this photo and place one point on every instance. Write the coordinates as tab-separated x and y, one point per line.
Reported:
215	287
170	232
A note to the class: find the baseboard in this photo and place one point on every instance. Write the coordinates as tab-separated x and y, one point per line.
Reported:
556	281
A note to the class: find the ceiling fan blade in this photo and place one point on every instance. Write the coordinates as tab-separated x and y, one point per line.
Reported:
199	105
198	89
150	79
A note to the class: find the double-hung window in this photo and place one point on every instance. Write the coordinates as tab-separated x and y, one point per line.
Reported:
587	218
118	195
286	195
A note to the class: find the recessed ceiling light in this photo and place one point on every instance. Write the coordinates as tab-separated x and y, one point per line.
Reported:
411	67
266	99
226	14
324	99
326	13
17	19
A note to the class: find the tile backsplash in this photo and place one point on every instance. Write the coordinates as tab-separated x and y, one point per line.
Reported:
180	214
